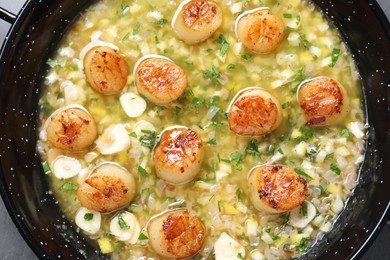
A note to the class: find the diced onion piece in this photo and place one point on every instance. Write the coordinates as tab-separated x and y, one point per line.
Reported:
251	227
293	39
337	205
236	8
326	227
355	129
132	104
125	227
86	222
256	255
266	237
300	149
65	167
114	139
298	220
227	248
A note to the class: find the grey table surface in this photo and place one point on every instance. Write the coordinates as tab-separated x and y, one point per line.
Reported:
12	245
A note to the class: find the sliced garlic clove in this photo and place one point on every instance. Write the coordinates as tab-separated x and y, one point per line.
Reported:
88	220
113	140
125	227
227	248
65	167
132	104
73	94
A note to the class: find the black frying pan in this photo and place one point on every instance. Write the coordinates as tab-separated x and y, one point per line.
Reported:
34	36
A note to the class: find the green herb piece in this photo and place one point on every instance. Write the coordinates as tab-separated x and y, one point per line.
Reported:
142	171
88	216
220	202
302	37
280	151
344	132
212	74
321	189
253	148
303	245
68	186
126	37
298	20
212	141
240	256
236	158
196	103
156	40
136	30
329	157
224	45
160	108
122	223
133	134
142	237
177	110
335	57
239	194
231	66
46	168
161	22
215	101
287	16
286	105
303	209
276	237
52	63
246	56
303	173
216	125
187	93
335	168
149	139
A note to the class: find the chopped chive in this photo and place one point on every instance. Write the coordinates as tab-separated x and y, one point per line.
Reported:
329	157
335	57
335	168
46	168
246	56
136	30
287	16
212	141
161	22
142	171
68	186
303	209
122	223
156	40
142	236
231	66
126	37
280	151
133	134
344	132
239	256
286	105
303	173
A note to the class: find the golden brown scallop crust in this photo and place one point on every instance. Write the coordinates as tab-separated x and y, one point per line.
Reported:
72	130
160	80
253	115
106	189
261	31
106	70
179	148
183	234
199	14
320	100
280	187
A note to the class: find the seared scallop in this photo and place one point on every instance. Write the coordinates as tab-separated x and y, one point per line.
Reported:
178	155
176	234
276	189
159	79
254	112
196	21
72	129
108	187
106	70
259	30
323	100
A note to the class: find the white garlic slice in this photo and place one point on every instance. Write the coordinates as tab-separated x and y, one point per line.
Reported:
95	41
88	220
125	227
113	140
65	167
132	104
73	94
